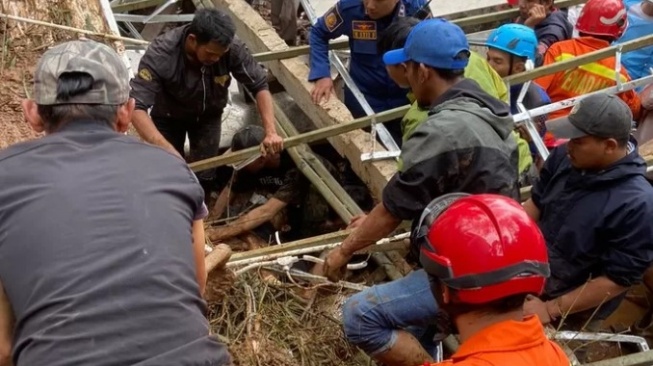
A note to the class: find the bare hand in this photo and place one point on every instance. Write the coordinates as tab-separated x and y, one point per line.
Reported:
523	133
534	306
272	144
356	221
536	14
322	90
335	264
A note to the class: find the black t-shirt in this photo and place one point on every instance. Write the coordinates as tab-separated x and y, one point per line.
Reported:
285	183
96	252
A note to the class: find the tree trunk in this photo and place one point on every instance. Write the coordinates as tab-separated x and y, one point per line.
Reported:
22	45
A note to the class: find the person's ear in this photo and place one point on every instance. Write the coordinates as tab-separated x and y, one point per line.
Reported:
611	146
446	295
423	73
192	39
124	117
32	116
518	67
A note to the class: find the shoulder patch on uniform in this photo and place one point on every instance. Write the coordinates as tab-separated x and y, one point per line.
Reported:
221	80
145	75
333	19
364	30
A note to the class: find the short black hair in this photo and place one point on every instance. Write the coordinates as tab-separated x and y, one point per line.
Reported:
450	75
212	25
69	85
248	136
395	36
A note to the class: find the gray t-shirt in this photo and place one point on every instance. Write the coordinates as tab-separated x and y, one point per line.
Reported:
96	252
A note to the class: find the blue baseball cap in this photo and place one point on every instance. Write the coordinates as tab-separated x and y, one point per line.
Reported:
433	42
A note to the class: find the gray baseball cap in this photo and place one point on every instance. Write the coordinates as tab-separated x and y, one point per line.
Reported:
109	73
247	136
601	115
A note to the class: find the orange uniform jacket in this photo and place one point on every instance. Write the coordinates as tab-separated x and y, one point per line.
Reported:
509	343
583	79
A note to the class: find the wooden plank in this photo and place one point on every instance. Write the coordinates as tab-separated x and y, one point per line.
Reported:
293	75
307	137
296	51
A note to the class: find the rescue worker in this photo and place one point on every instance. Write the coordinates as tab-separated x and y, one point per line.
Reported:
98	263
593	205
600	23
184	77
478	69
283	15
550	24
640	23
362	21
465	145
483	294
509	48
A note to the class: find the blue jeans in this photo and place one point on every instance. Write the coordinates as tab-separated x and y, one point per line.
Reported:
372	317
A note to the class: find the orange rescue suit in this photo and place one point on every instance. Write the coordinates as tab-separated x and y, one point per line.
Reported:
509	343
583	79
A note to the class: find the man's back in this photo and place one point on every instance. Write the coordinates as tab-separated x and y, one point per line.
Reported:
96	252
465	145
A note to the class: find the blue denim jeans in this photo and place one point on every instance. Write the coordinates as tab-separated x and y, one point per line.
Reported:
372	317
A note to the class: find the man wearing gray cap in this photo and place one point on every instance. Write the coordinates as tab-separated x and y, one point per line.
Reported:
594	207
101	236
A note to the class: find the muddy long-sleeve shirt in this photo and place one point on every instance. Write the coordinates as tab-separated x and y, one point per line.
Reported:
174	87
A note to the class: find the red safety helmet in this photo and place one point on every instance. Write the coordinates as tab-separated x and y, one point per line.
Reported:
484	246
603	18
513	2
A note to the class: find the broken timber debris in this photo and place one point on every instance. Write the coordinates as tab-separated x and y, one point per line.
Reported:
218	257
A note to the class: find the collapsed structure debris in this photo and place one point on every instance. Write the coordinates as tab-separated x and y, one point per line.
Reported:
263	324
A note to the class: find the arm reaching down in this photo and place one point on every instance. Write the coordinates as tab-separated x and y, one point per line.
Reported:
249	221
148	131
199	242
330	26
6	328
375	226
588	296
144	88
255	79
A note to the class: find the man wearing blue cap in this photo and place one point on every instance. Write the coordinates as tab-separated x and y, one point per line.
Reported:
465	145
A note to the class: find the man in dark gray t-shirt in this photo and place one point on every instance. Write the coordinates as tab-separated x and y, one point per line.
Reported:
101	236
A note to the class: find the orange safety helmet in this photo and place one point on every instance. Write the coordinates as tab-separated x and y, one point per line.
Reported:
603	18
483	246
